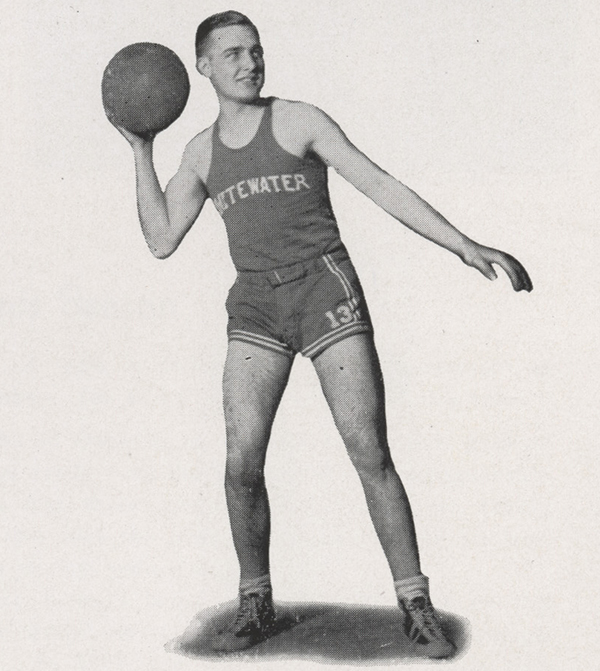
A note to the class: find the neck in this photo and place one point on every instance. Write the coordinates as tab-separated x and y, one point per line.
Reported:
236	111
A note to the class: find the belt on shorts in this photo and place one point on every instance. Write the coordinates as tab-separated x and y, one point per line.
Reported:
296	271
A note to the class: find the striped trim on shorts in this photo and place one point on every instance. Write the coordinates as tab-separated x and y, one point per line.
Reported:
306	307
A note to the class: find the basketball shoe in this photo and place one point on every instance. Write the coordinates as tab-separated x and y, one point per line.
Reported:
422	626
254	622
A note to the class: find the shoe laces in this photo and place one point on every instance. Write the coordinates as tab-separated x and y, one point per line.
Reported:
425	625
249	612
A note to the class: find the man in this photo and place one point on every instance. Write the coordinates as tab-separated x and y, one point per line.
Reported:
264	164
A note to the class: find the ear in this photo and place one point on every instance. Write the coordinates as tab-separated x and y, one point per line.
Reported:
203	66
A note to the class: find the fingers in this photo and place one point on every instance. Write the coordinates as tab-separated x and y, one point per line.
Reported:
134	138
486	269
485	257
516	272
131	137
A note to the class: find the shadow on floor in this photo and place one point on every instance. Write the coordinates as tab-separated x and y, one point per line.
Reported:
321	632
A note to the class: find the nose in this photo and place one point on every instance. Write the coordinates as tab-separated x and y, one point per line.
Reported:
249	60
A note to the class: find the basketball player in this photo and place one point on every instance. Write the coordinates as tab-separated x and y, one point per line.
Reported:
264	165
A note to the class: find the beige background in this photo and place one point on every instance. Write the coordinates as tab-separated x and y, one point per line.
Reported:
111	507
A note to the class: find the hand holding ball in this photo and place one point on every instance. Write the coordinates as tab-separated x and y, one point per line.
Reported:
145	88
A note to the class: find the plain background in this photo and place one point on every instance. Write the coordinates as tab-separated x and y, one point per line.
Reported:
112	512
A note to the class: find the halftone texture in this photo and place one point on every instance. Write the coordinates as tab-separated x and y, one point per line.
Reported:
145	88
256	585
410	588
319	632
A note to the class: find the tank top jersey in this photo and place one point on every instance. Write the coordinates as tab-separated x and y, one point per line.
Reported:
275	205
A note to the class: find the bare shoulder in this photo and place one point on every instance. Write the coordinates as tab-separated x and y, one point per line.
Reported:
197	154
297	125
298	111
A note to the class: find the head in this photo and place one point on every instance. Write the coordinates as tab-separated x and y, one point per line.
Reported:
229	53
222	20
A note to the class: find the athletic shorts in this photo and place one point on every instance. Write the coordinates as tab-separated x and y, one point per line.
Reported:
305	307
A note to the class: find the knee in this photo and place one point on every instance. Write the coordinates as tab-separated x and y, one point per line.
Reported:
247	430
246	447
375	465
369	453
244	472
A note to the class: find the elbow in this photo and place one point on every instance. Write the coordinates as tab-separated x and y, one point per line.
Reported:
160	255
161	250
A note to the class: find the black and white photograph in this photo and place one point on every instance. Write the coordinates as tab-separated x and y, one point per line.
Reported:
299	335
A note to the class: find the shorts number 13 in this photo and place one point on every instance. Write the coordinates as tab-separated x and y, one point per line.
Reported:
343	315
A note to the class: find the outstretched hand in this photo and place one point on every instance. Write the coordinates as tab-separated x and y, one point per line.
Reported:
482	258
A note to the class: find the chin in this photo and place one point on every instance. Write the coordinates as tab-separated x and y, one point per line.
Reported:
251	96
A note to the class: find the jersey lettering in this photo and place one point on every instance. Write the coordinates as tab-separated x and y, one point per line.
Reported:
300	180
274	179
254	186
230	192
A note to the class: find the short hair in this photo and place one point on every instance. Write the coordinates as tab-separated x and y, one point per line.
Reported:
221	20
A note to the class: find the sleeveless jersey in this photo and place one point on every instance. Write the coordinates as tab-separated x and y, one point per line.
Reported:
275	205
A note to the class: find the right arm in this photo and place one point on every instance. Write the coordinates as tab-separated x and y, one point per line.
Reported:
166	216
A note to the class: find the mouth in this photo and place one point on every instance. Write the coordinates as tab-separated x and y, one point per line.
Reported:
250	79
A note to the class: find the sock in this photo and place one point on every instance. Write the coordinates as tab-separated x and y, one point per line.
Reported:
410	588
254	585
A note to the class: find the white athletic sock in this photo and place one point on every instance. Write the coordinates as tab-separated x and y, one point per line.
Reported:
261	584
410	588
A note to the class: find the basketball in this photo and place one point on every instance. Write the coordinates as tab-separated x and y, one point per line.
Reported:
145	87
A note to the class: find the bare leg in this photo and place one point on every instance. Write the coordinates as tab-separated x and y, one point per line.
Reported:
253	383
351	380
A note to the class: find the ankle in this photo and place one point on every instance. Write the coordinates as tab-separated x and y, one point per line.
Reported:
408	589
256	585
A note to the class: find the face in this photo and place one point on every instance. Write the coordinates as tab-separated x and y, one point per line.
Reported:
233	61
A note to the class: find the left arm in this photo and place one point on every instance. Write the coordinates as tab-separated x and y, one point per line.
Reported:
332	145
